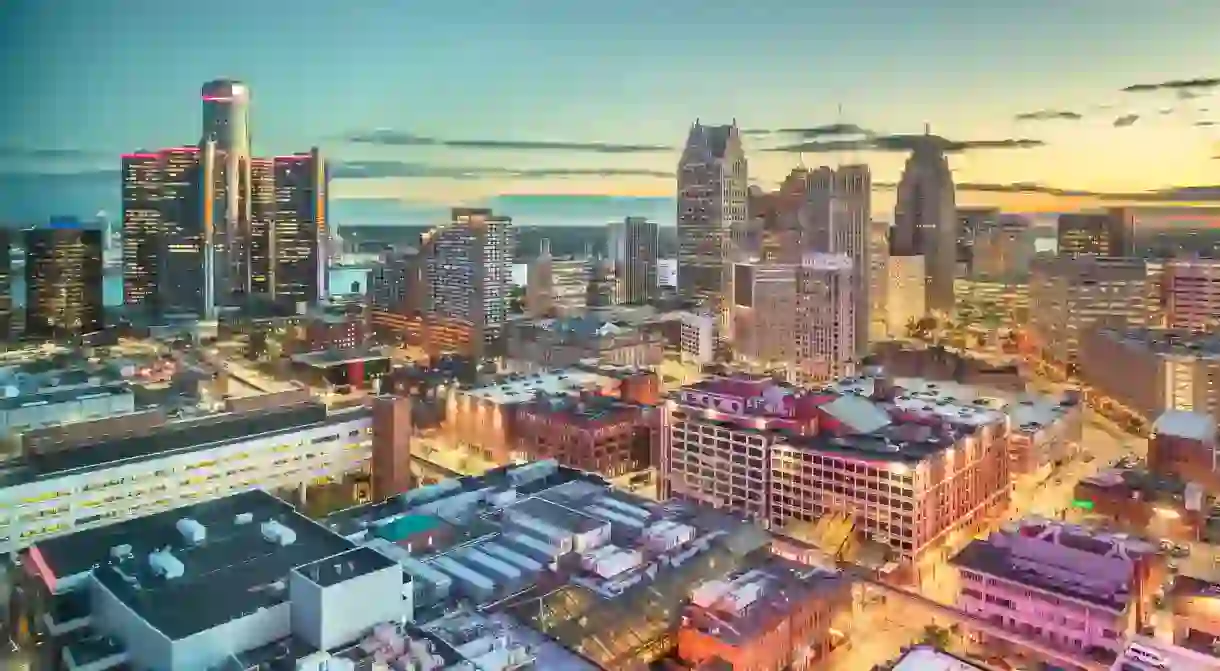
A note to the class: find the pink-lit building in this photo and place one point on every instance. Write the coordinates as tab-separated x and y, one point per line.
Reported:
1073	589
1192	293
905	475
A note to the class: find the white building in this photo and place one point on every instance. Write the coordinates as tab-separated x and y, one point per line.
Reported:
185	462
905	293
698	338
555	287
826	326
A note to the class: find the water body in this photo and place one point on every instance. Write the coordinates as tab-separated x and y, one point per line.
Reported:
342	281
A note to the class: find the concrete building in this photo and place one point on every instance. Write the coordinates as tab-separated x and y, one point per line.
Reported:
469	274
1094	233
22	412
1076	590
878	283
763	314
835	219
925	220
1195	604
302	208
776	616
633	249
1045	433
259	577
1003	252
992	303
826	325
63	280
1192	294
1075	294
905	294
713	180
183	462
973	224
1183	446
781	455
1139	373
611	337
698	338
555	287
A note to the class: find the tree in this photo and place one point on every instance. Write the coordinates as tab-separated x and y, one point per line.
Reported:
937	637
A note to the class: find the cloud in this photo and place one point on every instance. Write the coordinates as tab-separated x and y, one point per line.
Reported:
1049	115
826	130
1181	194
404	169
1126	120
97	175
393	138
905	143
14	153
1205	124
1191	85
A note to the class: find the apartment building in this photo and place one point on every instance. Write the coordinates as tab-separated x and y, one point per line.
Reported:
590	432
907	469
697	342
1143	372
555	287
1192	294
1183	446
1076	590
1073	294
54	493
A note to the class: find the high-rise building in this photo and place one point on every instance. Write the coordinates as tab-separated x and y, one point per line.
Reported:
261	245
226	122
469	274
1191	291
555	287
1003	252
905	293
972	223
63	280
302	186
925	219
142	228
764	315
1070	295
6	286
712	193
1097	233
633	246
827	328
835	219
878	273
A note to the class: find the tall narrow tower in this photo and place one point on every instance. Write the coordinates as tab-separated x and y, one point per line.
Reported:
925	219
226	122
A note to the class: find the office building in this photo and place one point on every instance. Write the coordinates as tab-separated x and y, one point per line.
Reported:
763	315
1003	252
1095	588
633	245
556	287
399	297
905	293
973	223
263	581
713	181
1044	433
142	227
261	246
835	219
1098	233
302	185
878	282
1138	373
226	124
1075	293
589	432
182	462
776	616
63	280
826	325
992	303
782	455
1191	291
697	342
1168	232
925	220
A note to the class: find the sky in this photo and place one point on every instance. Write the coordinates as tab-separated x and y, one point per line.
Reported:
1048	105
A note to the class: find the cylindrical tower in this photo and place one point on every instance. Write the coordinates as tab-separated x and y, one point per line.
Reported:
226	115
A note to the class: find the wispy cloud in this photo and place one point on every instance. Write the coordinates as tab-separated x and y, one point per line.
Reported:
393	138
405	169
1191	85
1049	115
905	143
827	130
1205	124
1126	120
15	153
1183	194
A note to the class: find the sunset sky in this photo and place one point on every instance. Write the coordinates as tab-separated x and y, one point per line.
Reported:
422	103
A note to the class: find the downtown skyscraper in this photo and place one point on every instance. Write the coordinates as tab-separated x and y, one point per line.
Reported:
63	280
925	219
713	184
632	245
299	231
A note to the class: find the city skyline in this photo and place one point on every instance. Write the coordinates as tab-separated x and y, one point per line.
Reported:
453	105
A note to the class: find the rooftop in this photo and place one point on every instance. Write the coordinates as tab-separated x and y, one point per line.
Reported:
585	409
335	357
1168	342
1183	424
53	396
924	658
344	566
519	388
182	435
1061	559
232	570
1175	658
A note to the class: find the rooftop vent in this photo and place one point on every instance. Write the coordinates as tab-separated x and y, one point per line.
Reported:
120	551
243	518
277	533
192	532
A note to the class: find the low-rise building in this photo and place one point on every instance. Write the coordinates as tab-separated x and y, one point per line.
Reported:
1195	604
1144	504
558	343
1045	432
774	616
1183	446
590	432
21	412
1076	590
1143	652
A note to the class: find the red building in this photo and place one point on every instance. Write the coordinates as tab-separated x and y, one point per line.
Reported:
391	446
587	431
1183	446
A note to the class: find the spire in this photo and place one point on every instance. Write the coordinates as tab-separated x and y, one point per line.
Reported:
927	128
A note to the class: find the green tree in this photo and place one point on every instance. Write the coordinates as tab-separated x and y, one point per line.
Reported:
937	637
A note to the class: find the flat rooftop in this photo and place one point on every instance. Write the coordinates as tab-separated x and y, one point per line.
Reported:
336	357
590	410
925	658
344	566
1183	424
1169	342
233	571
520	388
60	396
180	436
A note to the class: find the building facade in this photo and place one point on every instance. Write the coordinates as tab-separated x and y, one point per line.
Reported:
555	287
905	294
633	248
63	280
302	204
469	274
973	223
826	325
594	433
925	220
1096	233
1192	294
